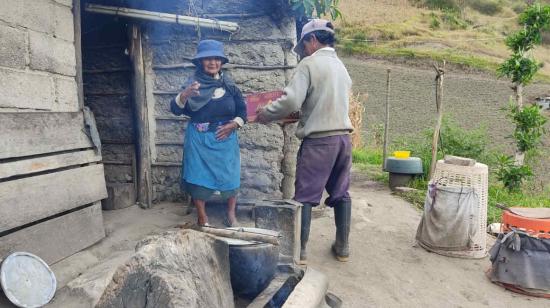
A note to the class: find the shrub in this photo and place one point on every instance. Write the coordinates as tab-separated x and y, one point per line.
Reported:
519	68
435	23
453	20
510	174
529	126
439	4
455	140
348	47
487	7
466	143
360	36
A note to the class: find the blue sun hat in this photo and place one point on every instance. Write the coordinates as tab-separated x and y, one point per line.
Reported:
209	48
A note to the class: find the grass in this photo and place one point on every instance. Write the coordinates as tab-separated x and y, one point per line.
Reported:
452	56
367	157
497	194
472	36
368	160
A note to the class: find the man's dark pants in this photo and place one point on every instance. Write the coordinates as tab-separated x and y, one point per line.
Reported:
323	163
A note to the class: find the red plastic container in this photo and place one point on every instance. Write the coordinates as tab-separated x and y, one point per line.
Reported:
260	99
537	227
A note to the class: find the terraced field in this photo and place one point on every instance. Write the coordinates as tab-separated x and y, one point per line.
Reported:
472	99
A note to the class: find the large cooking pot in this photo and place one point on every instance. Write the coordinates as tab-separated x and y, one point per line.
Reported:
252	264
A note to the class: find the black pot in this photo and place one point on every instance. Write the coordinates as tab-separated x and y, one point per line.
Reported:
252	265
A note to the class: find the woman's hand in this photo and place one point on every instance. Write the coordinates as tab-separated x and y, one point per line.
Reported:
225	130
191	91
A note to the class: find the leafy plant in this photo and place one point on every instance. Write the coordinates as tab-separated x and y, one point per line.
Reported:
510	174
455	140
454	20
519	68
460	142
453	5
529	126
316	8
435	23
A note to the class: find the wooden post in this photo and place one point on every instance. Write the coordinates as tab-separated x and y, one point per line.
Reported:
386	122
440	72
78	51
143	149
241	235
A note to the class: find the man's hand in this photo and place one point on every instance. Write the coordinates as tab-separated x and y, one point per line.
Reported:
260	116
225	130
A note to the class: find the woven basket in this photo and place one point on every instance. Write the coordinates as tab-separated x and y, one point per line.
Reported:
477	177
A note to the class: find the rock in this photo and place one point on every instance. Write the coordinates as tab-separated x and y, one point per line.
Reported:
402	189
176	269
86	290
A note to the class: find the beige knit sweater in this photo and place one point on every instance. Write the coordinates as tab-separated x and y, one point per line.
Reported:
320	89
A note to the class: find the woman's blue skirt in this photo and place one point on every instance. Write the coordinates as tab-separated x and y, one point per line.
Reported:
211	163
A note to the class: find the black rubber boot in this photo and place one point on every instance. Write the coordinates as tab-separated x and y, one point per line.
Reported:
342	218
304	231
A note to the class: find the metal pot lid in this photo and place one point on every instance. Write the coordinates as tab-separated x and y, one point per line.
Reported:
238	242
27	280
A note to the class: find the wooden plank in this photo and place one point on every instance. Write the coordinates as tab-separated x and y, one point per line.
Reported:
58	238
24	134
30	199
141	117
46	163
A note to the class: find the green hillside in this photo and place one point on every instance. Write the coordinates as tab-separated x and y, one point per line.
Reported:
466	32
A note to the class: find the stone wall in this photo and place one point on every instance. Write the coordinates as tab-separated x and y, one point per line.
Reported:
37	56
260	53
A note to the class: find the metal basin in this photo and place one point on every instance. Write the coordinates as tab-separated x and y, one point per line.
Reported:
252	265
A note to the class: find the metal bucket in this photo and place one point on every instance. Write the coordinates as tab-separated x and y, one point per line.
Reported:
252	264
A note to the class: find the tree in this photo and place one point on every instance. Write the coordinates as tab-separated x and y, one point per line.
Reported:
521	67
315	8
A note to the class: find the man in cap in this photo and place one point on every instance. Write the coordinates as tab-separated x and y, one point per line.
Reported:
320	89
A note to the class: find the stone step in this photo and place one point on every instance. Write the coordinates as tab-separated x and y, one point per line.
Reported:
86	289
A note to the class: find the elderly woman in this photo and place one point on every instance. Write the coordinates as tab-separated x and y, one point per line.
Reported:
211	164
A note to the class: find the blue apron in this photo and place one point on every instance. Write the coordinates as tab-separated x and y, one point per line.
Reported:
211	163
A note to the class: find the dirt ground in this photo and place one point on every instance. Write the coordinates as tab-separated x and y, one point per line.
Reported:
386	270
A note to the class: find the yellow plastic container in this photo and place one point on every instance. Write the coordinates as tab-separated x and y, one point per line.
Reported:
402	154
